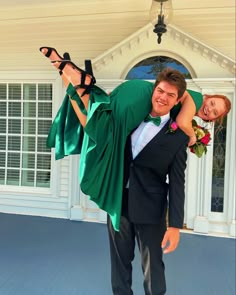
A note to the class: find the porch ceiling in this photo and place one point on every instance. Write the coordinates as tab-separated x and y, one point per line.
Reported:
87	28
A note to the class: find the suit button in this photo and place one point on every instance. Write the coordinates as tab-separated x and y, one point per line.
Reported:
132	164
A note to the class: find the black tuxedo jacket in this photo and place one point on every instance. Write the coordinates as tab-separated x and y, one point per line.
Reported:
149	194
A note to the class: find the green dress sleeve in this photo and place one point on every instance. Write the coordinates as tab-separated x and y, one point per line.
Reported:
197	98
66	133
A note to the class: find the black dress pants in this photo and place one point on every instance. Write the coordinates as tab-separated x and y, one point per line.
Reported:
122	245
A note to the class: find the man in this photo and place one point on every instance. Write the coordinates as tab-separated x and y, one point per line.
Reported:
156	153
152	154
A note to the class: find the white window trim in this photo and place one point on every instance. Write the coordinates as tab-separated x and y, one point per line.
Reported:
38	77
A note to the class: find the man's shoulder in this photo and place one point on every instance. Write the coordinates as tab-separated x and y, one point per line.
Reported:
176	134
181	136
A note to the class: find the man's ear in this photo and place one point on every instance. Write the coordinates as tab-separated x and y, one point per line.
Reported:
177	101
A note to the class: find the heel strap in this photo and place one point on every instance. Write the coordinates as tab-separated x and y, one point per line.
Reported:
62	63
66	56
88	67
49	51
89	70
86	87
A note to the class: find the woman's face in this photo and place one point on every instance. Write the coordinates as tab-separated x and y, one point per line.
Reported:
212	108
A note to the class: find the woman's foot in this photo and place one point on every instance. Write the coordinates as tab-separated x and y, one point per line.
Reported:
53	55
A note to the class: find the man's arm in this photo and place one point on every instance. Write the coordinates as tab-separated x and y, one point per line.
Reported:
176	200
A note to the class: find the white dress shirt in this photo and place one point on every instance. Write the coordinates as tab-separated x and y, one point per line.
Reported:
145	133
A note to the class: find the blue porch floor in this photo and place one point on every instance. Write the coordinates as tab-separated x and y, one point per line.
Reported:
45	256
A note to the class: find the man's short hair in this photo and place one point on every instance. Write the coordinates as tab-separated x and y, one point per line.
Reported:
173	77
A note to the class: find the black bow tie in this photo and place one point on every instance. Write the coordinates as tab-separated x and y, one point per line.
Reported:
155	120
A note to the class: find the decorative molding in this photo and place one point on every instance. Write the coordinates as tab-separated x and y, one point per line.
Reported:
206	51
177	35
226	85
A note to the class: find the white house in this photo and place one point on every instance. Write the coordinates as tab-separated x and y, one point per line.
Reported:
115	35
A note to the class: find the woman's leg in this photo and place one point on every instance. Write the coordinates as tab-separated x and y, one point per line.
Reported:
70	75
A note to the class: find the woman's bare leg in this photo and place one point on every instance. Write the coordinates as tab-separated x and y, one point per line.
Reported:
72	76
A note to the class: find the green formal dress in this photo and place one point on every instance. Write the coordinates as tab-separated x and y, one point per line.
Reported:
111	118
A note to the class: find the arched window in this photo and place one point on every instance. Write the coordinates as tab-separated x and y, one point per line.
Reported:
150	67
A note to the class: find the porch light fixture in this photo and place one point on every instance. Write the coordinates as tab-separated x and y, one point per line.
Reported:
160	15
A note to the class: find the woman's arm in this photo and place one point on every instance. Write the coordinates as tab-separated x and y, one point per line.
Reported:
185	116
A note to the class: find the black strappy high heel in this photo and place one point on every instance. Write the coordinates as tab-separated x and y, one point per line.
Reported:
88	71
66	56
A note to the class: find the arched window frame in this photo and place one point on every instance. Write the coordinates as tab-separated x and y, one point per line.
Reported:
151	54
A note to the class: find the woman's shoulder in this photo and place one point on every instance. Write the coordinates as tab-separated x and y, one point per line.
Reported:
197	98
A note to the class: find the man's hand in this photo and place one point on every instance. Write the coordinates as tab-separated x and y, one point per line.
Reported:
171	240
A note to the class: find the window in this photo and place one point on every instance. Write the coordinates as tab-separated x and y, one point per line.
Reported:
149	68
25	119
218	172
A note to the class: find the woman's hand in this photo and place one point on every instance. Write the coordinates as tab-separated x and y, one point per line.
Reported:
192	140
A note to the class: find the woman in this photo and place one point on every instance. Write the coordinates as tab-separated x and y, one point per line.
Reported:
107	120
209	108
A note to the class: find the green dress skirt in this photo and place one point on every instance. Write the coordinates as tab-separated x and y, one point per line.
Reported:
110	119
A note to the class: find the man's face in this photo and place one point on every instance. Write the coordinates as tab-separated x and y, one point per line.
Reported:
163	99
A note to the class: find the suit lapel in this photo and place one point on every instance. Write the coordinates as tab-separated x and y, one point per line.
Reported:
158	137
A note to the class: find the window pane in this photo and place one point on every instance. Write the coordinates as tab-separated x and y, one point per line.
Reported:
14	126
27	178
44	110
3	91
43	161
150	67
2	159
13	177
45	92
14	143
218	173
2	142
29	92
13	160
3	125
30	109
14	91
29	126
2	176
42	146
28	161
44	126
3	109
43	179
14	109
29	144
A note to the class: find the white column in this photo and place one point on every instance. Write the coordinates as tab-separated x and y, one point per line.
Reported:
205	220
75	199
230	170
